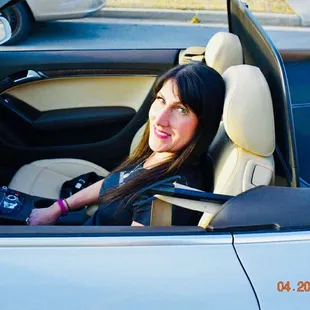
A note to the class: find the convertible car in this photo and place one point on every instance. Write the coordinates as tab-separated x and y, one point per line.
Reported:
68	112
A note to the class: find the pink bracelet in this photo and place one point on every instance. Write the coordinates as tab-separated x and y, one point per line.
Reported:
63	208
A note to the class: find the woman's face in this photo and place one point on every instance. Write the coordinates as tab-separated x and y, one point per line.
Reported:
172	125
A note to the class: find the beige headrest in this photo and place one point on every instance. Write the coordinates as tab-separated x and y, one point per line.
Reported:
248	111
222	51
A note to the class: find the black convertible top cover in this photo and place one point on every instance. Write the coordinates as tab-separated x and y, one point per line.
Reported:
265	207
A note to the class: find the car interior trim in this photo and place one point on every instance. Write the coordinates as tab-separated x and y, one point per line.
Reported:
82	92
98	72
66	117
289	236
155	61
96	231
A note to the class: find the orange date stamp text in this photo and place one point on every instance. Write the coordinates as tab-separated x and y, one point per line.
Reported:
287	286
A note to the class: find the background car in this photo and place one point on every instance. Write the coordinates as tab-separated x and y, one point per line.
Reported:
22	15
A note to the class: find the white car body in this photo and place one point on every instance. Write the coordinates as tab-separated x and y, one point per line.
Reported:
63	9
155	272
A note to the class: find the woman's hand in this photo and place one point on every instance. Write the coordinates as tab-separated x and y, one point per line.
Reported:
48	216
45	216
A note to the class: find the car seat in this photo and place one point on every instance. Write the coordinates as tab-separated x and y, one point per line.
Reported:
242	150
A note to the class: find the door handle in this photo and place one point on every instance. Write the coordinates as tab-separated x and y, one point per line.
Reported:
31	76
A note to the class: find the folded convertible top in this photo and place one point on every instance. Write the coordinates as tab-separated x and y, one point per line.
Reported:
265	207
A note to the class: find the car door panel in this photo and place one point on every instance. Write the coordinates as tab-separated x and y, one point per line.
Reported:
147	271
113	61
76	110
270	258
87	91
61	127
80	104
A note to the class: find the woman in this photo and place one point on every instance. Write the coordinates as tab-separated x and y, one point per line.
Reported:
183	120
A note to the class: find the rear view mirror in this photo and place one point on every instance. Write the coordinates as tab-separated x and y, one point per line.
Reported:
5	30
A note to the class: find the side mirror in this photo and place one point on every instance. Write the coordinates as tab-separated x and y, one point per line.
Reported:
5	30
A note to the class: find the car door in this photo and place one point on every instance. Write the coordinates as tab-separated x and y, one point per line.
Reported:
149	268
84	104
283	278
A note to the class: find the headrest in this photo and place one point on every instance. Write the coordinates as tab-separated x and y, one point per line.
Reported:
222	51
248	111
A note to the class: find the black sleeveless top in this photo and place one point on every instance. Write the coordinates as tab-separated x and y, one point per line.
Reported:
108	213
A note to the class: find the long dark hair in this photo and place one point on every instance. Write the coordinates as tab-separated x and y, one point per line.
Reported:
201	89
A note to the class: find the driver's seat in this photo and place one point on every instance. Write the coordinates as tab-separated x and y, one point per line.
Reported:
242	150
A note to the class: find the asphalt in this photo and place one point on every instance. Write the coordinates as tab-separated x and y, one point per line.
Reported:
268	19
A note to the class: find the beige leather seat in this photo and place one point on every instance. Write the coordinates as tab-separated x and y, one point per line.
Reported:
242	151
223	51
243	147
44	177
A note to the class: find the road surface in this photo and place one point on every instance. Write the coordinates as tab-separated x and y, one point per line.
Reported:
103	33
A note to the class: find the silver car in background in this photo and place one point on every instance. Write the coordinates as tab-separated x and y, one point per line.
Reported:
22	15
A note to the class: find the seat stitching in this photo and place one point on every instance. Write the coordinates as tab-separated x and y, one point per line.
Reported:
219	50
228	111
45	169
211	161
48	169
270	108
233	172
35	179
63	162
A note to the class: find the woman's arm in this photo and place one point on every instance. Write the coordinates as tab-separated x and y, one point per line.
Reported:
48	216
87	196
